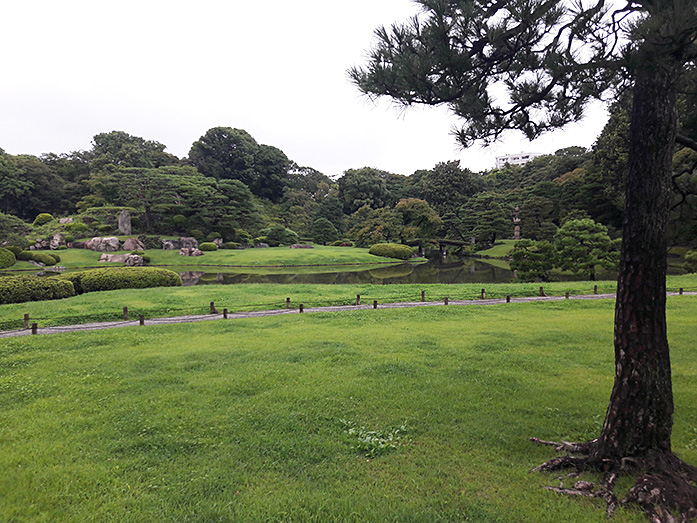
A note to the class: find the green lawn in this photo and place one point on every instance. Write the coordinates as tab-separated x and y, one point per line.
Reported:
242	420
501	249
177	301
270	257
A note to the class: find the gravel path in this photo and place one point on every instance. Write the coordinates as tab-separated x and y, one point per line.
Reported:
277	312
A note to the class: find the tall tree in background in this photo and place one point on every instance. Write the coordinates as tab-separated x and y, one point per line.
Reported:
549	58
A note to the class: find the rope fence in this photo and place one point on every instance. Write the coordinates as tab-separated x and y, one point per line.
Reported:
127	316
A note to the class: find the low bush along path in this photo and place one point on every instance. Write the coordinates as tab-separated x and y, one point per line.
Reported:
255	314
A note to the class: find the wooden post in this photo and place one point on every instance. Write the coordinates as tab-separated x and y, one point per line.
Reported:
445	300
423	296
287	303
542	291
681	291
125	314
301	308
358	300
508	299
34	328
484	294
213	309
225	313
595	289
142	319
567	295
26	321
375	304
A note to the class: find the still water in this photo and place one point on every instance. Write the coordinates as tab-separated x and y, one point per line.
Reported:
467	271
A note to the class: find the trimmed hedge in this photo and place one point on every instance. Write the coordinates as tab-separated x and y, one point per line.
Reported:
41	257
20	289
7	258
113	278
391	250
231	245
208	246
42	218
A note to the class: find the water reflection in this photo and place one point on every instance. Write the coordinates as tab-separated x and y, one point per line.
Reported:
435	271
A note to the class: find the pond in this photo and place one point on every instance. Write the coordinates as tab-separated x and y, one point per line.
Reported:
459	271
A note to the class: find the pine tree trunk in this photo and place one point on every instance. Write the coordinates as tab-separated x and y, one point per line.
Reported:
640	414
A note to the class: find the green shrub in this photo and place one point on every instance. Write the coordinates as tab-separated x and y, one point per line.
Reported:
14	250
230	245
7	258
42	218
69	238
113	278
151	242
24	255
76	227
279	235
342	243
214	235
55	257
62	248
178	220
391	250
19	289
208	246
197	234
146	259
138	252
105	228
691	261
42	257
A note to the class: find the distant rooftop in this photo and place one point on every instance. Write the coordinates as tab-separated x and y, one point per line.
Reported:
515	159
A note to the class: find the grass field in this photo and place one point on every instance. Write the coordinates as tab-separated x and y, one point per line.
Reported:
502	249
177	301
248	420
269	257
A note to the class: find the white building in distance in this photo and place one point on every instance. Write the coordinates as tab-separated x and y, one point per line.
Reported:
515	159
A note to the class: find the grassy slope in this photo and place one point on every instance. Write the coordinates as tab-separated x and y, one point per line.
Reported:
160	302
502	249
240	420
276	256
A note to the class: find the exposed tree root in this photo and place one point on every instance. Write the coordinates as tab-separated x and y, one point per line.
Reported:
666	487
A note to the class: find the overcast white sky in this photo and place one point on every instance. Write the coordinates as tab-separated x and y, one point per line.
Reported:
170	70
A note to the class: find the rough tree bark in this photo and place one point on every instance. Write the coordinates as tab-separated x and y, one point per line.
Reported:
640	414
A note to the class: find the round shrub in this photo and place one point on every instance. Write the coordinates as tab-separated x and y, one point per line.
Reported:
146	259
113	278
208	246
214	235
42	218
105	228
76	227
7	258
62	248
55	257
20	289
231	245
391	250
196	233
69	238
178	220
42	257
279	235
14	250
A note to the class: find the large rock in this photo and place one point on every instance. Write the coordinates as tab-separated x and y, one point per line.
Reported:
185	251
134	260
301	246
133	244
188	243
108	244
40	245
113	258
65	220
170	245
125	222
262	245
56	241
